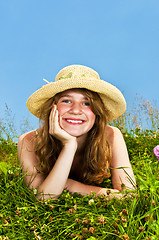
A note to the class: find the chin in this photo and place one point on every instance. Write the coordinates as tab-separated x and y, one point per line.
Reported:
76	133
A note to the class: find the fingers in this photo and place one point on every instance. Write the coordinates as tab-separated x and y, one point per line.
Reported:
53	120
56	130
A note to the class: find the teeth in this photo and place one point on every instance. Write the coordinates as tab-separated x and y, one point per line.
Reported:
74	121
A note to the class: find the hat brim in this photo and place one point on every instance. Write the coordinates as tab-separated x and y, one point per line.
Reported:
112	98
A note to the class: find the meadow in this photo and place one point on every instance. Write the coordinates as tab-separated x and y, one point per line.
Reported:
73	216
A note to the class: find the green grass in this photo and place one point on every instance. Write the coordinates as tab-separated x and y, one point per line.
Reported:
22	216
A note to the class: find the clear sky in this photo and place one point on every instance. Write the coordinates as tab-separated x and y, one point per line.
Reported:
117	38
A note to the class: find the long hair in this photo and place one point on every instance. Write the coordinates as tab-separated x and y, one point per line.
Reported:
97	153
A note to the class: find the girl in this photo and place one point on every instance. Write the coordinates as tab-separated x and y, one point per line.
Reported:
75	147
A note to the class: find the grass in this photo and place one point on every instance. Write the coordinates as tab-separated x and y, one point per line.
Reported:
22	216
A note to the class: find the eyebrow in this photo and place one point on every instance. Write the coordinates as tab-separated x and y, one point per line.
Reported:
67	95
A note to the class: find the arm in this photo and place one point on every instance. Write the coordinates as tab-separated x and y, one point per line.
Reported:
120	159
55	182
83	189
28	160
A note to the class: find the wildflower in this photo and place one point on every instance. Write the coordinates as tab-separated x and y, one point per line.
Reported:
71	211
140	229
73	235
125	237
17	212
85	230
153	202
156	151
80	237
51	206
124	211
101	220
123	219
6	223
85	221
92	230
44	226
10	172
35	191
36	220
75	207
8	219
33	228
37	236
91	201
116	232
77	220
148	216
5	238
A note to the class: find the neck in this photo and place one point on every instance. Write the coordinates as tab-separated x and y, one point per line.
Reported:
81	141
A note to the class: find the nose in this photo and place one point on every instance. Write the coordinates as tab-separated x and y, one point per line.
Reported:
76	108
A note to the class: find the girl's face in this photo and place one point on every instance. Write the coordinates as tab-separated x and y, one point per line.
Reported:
75	114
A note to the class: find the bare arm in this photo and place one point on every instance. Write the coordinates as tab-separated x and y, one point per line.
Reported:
54	183
57	179
121	169
120	159
83	189
28	160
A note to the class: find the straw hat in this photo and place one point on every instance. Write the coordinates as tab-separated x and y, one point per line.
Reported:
78	76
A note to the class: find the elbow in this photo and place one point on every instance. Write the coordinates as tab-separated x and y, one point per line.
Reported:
44	193
45	196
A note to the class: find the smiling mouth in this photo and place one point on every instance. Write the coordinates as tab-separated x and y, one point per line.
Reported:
74	121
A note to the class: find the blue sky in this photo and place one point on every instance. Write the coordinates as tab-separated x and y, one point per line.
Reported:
117	38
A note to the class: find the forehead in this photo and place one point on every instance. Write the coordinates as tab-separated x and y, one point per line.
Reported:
74	92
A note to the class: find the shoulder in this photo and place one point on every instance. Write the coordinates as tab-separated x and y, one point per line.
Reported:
113	133
27	139
112	130
26	152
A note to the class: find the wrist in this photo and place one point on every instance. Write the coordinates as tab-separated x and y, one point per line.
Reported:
72	144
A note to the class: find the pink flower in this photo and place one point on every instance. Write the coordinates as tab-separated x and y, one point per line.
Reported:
156	151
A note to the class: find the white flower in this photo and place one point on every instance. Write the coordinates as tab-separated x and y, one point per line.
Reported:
35	191
91	201
37	236
10	172
75	207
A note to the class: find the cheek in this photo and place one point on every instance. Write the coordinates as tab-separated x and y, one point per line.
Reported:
91	117
93	120
61	109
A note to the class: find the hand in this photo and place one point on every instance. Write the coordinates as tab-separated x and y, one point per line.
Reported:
111	193
56	130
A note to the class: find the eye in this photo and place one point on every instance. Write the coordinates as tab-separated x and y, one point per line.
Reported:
66	101
86	104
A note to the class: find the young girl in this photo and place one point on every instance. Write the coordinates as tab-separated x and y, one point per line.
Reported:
75	147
